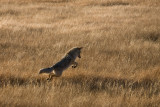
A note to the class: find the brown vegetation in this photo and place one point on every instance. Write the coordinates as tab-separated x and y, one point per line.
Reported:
120	64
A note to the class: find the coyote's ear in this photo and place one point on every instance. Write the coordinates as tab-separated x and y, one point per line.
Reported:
80	48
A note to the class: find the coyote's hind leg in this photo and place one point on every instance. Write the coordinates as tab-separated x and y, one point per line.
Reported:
50	77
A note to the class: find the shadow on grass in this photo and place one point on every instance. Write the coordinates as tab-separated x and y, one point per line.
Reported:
117	3
108	4
149	36
87	83
56	1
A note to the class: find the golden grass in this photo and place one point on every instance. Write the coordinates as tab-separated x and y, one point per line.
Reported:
120	64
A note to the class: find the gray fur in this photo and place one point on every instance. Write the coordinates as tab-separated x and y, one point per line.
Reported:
69	59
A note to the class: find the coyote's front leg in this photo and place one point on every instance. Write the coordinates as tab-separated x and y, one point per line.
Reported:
74	65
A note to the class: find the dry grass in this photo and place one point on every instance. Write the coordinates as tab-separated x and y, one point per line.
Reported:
120	64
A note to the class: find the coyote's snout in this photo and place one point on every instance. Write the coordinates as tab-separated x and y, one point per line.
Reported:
69	59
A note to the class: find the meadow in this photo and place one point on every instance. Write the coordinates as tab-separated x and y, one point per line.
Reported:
120	64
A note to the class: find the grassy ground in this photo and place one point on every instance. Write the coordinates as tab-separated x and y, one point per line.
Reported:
120	64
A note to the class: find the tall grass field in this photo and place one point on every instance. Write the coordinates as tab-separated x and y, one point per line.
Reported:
120	64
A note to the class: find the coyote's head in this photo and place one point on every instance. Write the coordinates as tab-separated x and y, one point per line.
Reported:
75	52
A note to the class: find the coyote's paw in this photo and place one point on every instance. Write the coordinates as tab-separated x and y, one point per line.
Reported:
74	66
49	79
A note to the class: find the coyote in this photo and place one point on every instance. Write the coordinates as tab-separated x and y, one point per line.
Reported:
69	59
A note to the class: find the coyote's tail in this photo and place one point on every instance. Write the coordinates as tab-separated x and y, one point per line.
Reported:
46	70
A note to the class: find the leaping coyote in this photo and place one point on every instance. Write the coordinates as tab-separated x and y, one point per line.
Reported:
69	59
